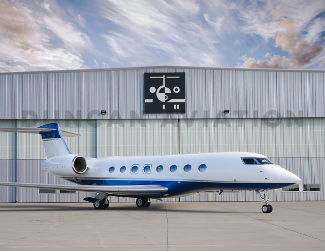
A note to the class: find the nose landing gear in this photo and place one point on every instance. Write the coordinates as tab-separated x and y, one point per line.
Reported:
264	198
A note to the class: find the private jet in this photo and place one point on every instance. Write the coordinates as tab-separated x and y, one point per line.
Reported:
155	177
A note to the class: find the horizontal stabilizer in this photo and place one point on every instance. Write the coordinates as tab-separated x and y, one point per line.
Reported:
68	134
114	190
37	131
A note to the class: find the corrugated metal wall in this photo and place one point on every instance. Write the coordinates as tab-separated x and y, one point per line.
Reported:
29	171
299	137
82	94
256	100
137	137
30	146
296	144
7	174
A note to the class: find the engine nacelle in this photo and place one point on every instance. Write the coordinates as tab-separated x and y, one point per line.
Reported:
79	165
67	165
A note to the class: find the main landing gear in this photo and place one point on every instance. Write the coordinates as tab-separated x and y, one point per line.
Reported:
264	198
143	202
101	204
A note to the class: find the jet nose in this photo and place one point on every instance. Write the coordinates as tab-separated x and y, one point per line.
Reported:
292	178
295	178
287	177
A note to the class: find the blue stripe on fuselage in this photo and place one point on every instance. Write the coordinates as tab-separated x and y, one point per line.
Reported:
184	187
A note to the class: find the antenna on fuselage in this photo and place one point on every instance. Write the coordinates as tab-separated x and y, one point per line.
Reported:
187	151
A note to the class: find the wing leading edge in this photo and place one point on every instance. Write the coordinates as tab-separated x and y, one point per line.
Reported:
116	190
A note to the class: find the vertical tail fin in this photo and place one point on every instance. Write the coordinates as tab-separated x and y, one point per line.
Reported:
53	141
52	138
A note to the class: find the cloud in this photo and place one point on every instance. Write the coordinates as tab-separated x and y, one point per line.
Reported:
315	30
25	45
80	20
15	24
51	34
12	67
71	37
217	25
159	32
300	52
276	61
262	19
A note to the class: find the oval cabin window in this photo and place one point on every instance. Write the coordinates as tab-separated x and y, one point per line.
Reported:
111	169
159	168
202	167
187	168
122	169
134	169
146	169
173	168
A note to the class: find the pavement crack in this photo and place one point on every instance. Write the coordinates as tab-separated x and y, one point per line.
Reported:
167	224
61	222
295	209
291	230
35	233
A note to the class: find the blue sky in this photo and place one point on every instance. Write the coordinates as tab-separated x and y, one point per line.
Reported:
53	35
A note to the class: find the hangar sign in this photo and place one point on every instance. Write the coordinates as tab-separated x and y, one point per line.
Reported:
164	93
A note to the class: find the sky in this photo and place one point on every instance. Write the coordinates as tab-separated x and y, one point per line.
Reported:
41	35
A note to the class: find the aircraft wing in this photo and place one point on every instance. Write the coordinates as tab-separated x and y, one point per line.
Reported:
115	190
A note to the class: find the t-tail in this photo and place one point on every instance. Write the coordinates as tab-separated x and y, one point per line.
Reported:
53	141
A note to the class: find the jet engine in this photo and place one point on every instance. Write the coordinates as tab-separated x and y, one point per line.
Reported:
79	165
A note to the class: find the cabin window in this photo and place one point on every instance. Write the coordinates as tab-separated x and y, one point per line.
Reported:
146	169
202	167
159	168
122	169
135	169
249	161
264	161
173	168
111	169
187	168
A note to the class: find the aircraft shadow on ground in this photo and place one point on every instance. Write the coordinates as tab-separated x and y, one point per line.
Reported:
128	207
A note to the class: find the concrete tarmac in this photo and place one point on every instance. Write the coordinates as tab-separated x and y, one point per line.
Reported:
163	226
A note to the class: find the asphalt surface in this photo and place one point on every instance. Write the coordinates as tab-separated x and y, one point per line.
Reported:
163	226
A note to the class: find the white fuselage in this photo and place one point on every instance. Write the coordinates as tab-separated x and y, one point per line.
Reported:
224	171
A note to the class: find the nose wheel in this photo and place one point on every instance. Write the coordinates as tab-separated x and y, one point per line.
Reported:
265	199
142	202
267	209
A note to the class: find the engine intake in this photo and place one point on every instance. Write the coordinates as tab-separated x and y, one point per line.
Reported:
79	165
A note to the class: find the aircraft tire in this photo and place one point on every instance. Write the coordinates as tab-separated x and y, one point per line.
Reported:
270	208
147	204
140	202
265	209
98	204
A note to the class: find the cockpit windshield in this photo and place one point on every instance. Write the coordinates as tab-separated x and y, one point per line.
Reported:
264	161
255	161
249	161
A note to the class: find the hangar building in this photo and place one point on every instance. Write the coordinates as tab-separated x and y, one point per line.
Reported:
121	112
